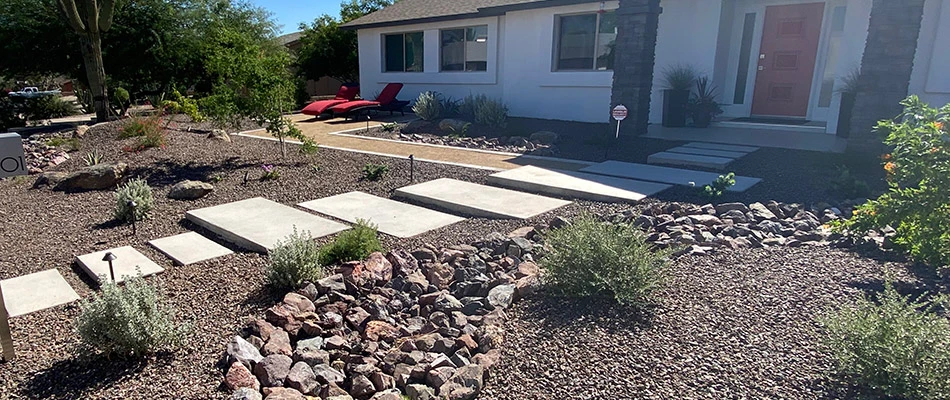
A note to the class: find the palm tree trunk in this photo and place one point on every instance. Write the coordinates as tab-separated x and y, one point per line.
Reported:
96	74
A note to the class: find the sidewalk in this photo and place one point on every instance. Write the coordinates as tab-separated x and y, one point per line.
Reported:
333	134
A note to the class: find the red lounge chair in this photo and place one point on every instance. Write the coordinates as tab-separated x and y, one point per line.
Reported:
386	101
345	94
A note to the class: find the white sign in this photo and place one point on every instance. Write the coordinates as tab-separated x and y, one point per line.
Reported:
619	113
12	161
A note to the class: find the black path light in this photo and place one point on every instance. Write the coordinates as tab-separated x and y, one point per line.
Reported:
412	168
109	257
132	205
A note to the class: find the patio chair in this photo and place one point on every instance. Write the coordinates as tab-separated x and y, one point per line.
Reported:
386	101
347	92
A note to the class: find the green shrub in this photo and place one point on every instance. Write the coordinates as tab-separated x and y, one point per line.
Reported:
450	107
9	114
122	99
428	106
294	261
69	143
719	186
894	347
845	185
593	258
46	107
351	245
918	173
374	172
484	110
136	190
391	127
129	321
679	77
178	104
140	126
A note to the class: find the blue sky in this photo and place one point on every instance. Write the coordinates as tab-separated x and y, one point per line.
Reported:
290	13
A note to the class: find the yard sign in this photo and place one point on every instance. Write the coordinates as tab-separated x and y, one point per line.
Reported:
619	113
12	161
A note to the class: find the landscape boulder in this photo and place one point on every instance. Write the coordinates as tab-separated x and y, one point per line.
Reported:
96	177
273	369
450	125
190	190
239	376
545	137
242	351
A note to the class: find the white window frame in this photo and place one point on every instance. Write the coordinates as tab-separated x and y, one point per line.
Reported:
464	48
403	34
557	42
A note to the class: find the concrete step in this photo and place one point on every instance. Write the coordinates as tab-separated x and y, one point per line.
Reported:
128	263
675	176
257	224
38	291
577	185
707	152
724	147
189	248
390	216
476	200
689	160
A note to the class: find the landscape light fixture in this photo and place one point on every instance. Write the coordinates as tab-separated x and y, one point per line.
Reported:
109	257
132	205
412	168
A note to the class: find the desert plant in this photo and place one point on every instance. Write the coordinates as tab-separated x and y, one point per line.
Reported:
720	185
428	106
84	100
129	321
269	172
122	99
140	126
484	110
450	107
703	105
849	82
892	346
391	127
46	107
917	204
293	261
93	158
845	185
459	133
137	191
593	258
679	77
374	172
351	245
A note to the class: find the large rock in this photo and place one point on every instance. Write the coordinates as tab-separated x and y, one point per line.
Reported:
242	351
545	137
361	386
465	384
281	393
96	177
302	378
326	374
440	275
273	369
420	392
761	212
239	376
279	343
246	394
190	190
299	302
501	296
378	268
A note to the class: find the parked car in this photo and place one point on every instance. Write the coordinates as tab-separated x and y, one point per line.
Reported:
32	92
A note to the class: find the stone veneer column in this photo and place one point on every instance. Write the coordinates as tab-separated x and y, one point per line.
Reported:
637	22
885	69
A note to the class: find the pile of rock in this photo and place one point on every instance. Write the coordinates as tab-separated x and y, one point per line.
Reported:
40	155
512	144
425	324
703	229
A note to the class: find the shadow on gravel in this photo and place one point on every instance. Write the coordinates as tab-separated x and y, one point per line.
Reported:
168	172
568	313
70	378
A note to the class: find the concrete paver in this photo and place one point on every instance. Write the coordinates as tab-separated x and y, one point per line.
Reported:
127	264
189	248
391	217
38	291
676	176
479	200
576	184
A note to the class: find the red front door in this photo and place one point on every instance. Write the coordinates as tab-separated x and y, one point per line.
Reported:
787	60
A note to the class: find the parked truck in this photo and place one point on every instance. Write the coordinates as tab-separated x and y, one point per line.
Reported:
33	92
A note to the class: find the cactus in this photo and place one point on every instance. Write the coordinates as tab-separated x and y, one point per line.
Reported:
89	18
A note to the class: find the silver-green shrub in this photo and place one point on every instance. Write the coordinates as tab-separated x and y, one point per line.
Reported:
892	346
428	106
129	321
294	261
484	110
136	190
593	258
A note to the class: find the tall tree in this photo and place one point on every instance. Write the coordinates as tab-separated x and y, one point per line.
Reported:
90	19
327	50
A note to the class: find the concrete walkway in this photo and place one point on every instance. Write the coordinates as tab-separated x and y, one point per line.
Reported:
334	134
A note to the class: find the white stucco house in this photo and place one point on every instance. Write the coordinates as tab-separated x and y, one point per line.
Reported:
553	59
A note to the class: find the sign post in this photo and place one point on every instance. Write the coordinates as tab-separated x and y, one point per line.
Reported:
12	160
619	113
6	338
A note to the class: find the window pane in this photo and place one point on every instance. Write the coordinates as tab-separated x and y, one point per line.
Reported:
576	41
414	52
476	48
453	50
394	56
606	39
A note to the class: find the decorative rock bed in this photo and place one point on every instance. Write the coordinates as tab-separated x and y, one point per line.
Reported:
541	143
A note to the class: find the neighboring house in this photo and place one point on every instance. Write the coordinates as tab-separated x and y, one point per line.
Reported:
554	59
326	86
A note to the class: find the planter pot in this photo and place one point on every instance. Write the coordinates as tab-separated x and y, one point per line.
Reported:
675	103
702	120
844	114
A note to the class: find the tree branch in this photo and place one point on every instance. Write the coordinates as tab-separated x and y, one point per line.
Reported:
72	15
105	15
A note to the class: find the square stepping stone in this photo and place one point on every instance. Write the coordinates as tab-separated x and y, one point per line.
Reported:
127	264
724	147
189	248
689	160
479	200
39	291
257	224
707	152
675	176
390	216
576	184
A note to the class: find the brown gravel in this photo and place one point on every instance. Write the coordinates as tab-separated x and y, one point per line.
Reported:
44	229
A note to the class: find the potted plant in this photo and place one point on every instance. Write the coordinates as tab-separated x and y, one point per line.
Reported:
703	106
678	80
849	91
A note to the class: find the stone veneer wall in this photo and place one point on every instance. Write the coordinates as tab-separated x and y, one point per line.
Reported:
634	56
885	69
